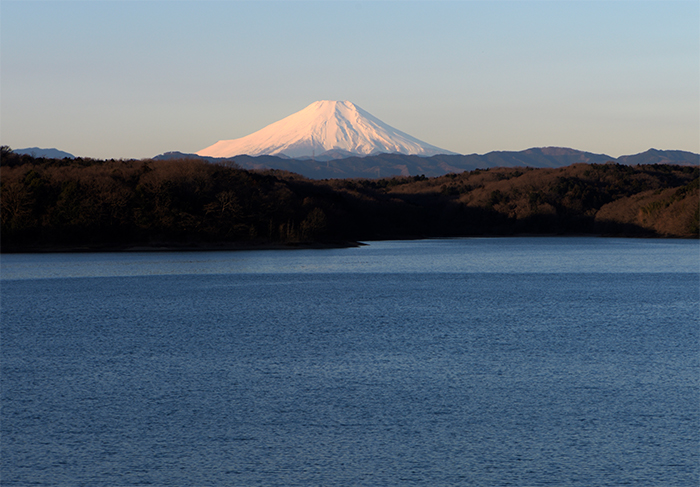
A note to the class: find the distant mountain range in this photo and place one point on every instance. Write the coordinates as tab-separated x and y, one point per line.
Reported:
387	165
331	166
48	153
338	139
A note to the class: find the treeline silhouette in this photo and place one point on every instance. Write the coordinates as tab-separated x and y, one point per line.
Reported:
53	204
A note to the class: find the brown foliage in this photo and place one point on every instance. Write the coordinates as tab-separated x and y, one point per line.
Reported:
667	212
45	203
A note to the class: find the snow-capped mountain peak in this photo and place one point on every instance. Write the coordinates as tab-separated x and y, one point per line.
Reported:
320	127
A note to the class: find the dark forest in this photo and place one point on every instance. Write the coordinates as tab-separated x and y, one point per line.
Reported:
88	204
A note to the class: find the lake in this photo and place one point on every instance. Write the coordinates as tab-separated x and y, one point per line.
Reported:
475	362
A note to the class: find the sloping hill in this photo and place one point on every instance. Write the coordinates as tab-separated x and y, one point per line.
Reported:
654	156
92	204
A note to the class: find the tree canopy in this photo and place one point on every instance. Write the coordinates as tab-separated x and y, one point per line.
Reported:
49	204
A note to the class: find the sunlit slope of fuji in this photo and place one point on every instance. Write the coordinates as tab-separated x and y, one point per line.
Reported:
321	127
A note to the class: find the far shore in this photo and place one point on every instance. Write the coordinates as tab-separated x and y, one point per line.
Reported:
233	246
176	247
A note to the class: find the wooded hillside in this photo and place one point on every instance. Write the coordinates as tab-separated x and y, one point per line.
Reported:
49	204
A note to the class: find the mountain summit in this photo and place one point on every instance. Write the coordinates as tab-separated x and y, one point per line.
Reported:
338	127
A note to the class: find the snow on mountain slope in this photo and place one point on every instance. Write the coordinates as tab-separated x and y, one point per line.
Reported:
321	127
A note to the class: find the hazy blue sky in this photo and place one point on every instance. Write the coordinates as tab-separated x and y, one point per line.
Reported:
130	79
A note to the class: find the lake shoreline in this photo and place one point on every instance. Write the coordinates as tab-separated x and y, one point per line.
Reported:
246	246
177	247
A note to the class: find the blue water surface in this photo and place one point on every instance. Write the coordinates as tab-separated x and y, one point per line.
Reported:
485	362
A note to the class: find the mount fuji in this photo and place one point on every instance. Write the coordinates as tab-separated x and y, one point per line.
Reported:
335	128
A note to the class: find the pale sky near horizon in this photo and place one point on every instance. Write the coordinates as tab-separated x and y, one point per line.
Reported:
133	79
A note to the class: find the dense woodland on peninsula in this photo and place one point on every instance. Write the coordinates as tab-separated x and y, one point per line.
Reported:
88	204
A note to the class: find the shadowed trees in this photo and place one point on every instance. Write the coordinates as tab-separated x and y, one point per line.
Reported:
48	203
